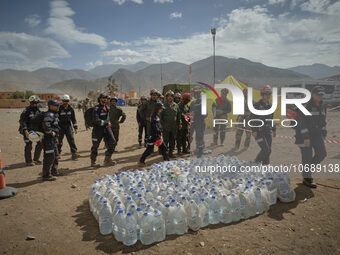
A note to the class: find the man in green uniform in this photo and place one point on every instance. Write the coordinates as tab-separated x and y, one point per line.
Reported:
171	121
183	133
117	116
221	112
148	108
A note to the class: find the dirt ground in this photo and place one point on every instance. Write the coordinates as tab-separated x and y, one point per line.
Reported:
58	216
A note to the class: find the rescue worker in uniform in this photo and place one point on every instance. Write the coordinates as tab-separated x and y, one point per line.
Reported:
66	117
183	133
141	122
148	108
244	119
263	135
161	98
197	122
102	129
25	121
156	136
221	112
310	134
117	116
50	127
177	98
85	106
171	121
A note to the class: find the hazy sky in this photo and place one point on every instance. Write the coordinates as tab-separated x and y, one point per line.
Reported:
86	33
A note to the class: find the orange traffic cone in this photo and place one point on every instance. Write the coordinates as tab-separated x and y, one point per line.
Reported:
5	192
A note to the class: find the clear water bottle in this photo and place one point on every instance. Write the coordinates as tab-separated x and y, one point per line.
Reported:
259	202
251	201
118	227
130	230
225	210
105	220
244	205
214	210
235	207
204	213
159	231
180	220
193	216
168	217
146	229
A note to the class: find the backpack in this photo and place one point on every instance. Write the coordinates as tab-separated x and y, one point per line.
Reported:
88	116
37	121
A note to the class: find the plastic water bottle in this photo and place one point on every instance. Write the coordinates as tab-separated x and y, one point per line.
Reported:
159	231
259	202
214	213
204	213
244	205
193	216
235	207
146	229
251	202
130	230
180	220
225	210
118	227
168	217
105	221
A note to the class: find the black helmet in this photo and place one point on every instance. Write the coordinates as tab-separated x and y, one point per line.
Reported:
318	90
103	95
53	102
159	105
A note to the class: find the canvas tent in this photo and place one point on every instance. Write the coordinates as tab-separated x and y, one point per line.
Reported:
256	97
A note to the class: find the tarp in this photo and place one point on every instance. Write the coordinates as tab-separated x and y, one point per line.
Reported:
256	97
121	102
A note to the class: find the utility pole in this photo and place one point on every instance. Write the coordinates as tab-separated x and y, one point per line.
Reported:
213	32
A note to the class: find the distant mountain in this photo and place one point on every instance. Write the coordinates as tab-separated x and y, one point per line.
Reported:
39	79
317	71
333	78
107	70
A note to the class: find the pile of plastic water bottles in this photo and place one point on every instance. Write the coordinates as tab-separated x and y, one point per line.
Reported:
173	196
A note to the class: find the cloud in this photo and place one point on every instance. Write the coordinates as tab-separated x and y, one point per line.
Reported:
175	15
117	43
116	53
27	52
121	2
162	1
63	28
33	20
278	40
272	2
91	65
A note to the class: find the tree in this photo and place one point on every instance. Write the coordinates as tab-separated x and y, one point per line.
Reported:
90	94
18	95
112	86
28	93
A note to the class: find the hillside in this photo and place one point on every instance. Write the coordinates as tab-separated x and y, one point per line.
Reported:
317	71
107	70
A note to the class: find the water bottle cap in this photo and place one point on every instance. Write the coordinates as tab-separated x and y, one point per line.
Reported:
129	214
155	211
128	198
213	197
202	199
147	190
139	195
120	211
167	205
145	214
258	189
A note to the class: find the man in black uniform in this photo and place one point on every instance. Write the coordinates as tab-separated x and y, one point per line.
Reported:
197	122
66	116
141	122
310	134
156	135
50	127
102	129
263	135
221	112
25	121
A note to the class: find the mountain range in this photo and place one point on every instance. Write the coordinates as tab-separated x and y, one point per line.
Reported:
143	76
317	71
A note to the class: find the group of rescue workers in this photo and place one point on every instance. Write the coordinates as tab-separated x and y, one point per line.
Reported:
169	122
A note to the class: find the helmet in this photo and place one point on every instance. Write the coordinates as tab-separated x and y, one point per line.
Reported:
114	98
169	93
34	99
159	105
161	96
196	89
103	95
186	96
53	102
266	89
143	97
178	95
87	98
318	90
154	91
224	91
65	98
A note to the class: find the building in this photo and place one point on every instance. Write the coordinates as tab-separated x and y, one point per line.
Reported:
132	94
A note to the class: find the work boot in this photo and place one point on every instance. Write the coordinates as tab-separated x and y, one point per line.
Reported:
109	162
75	156
309	183
30	164
140	144
179	152
94	164
49	178
185	151
142	164
57	173
171	155
37	162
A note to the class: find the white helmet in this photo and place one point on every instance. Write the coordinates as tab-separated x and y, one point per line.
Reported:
65	98
34	99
